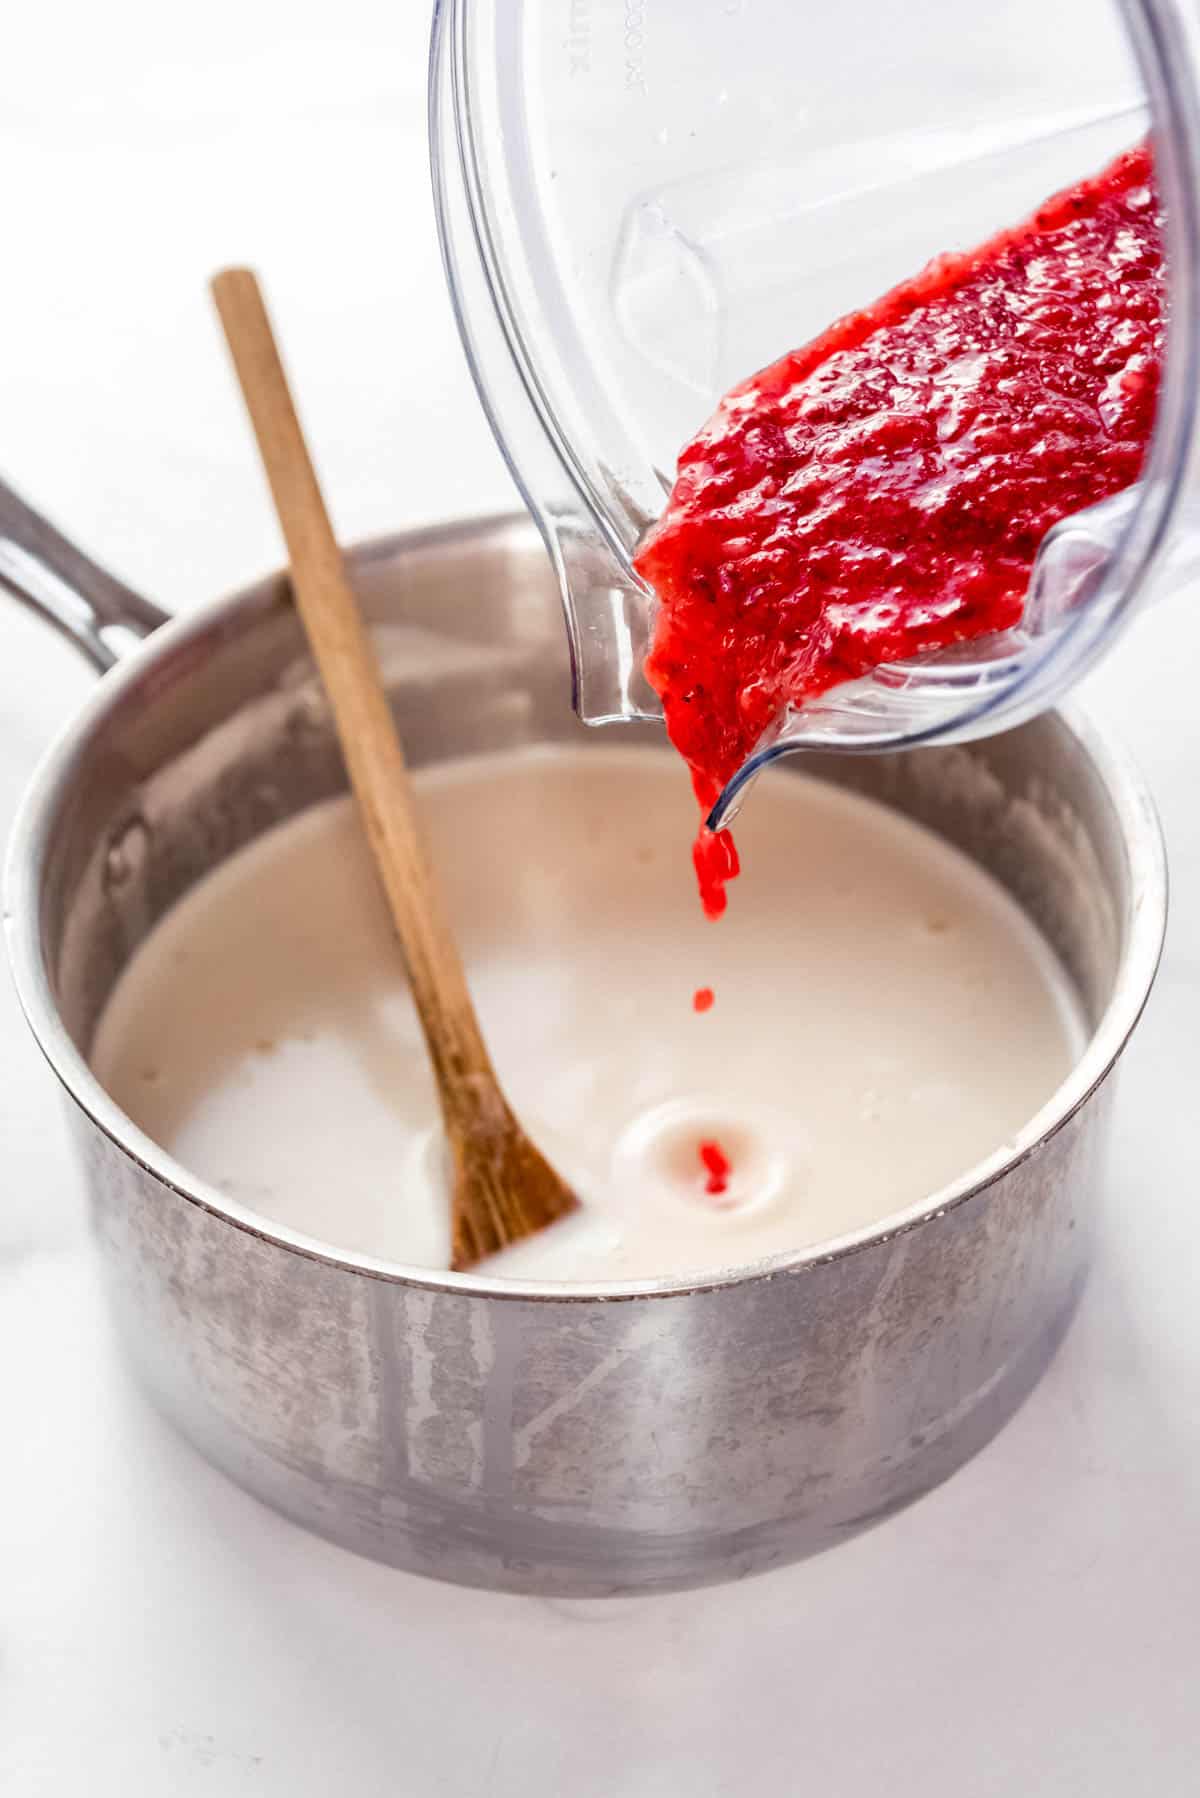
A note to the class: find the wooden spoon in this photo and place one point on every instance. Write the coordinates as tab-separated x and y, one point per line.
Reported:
503	1188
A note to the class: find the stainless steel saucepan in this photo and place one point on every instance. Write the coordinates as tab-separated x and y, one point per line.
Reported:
560	1439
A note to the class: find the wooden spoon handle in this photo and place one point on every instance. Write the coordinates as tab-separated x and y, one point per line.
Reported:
370	743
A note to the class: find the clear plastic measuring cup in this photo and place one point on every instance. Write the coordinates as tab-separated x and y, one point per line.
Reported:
643	201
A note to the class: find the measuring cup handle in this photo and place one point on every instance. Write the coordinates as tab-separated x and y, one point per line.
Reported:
98	613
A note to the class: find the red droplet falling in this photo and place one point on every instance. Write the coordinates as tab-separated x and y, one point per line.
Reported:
716	861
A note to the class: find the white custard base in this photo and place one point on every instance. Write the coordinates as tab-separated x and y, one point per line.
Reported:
885	1018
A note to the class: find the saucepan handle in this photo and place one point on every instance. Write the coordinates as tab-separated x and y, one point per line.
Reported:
99	614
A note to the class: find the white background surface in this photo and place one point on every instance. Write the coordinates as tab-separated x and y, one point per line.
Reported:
1031	1628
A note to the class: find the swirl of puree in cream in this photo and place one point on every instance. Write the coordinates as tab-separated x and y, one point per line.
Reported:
883	1018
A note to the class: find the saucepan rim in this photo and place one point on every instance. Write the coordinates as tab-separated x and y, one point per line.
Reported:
1141	836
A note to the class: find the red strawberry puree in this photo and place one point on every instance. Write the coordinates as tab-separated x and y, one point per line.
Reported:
883	491
717	1166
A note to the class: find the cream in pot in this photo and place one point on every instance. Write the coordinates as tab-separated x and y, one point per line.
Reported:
885	1018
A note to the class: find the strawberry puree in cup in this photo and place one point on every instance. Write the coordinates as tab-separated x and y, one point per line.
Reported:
883	491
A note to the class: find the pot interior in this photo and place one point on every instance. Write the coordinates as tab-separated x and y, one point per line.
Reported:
218	731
